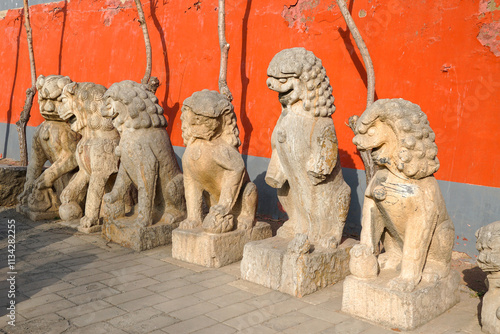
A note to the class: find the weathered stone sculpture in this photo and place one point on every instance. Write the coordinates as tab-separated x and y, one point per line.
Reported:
304	165
488	245
305	169
405	210
212	164
53	141
148	162
213	167
81	107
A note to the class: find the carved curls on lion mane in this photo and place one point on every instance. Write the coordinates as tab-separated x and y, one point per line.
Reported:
142	108
304	65
417	152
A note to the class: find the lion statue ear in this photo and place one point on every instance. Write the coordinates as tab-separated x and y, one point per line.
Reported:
61	82
40	82
70	88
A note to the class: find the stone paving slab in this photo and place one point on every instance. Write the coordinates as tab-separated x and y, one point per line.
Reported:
70	282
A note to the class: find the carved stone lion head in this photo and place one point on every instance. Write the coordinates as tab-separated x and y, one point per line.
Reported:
49	95
208	115
298	75
81	105
399	136
488	245
132	105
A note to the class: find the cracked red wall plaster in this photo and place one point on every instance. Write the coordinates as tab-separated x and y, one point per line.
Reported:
489	36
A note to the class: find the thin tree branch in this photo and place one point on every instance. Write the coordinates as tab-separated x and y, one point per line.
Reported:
30	92
147	42
224	50
370	95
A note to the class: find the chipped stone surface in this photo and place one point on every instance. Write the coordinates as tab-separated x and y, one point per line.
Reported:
376	301
488	245
126	233
291	266
215	177
81	105
53	141
147	162
304	166
215	249
410	282
214	171
403	206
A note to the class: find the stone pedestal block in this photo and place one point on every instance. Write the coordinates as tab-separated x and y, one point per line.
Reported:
215	249
374	301
270	263
125	232
35	215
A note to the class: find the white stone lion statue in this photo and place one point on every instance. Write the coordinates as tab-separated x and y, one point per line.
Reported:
403	206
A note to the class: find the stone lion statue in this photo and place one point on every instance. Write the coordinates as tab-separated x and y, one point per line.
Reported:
147	159
304	164
53	141
81	105
488	245
403	205
213	166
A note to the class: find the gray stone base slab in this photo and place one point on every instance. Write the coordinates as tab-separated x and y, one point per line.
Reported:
126	233
373	300
36	216
215	250
270	264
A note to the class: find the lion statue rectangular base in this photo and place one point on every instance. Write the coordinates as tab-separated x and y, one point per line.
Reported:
373	300
215	250
288	265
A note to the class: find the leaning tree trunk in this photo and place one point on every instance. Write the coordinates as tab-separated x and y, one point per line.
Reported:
30	92
370	96
147	43
224	50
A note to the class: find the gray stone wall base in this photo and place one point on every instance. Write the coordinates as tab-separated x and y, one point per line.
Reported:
215	250
126	233
373	300
271	264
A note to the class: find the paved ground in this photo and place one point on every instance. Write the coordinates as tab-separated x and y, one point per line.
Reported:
68	282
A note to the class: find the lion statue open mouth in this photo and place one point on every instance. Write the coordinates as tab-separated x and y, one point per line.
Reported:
81	104
147	159
403	205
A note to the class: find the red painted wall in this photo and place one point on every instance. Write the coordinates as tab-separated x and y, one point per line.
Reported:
440	54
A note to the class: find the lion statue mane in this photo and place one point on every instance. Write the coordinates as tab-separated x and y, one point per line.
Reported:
147	159
403	205
213	167
304	164
81	105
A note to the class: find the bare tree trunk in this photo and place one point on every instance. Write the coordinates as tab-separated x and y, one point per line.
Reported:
147	42
370	96
224	50
30	92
